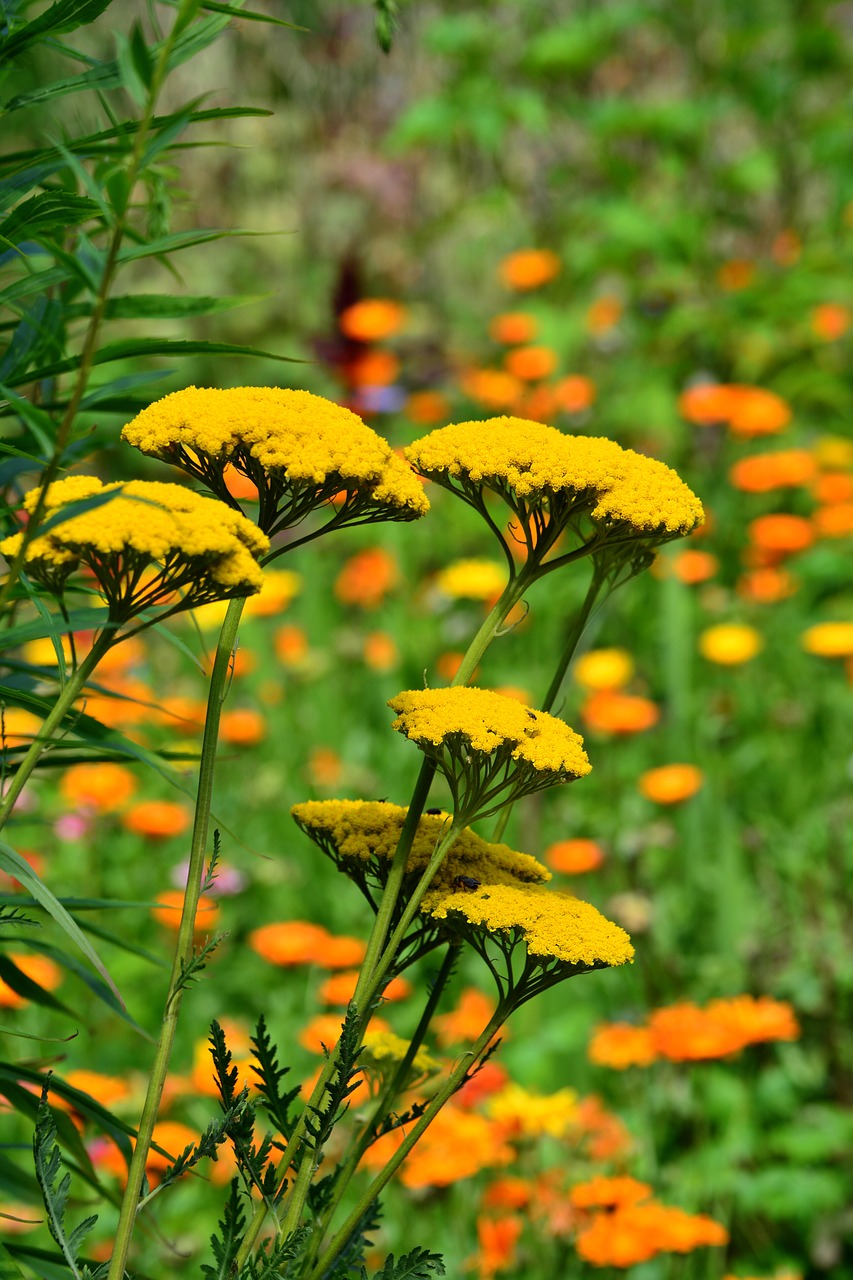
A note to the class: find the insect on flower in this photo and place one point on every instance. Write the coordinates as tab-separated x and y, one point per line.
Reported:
466	882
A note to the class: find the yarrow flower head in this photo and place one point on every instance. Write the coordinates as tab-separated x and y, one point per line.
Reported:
383	1051
490	748
142	542
299	450
561	935
361	837
608	498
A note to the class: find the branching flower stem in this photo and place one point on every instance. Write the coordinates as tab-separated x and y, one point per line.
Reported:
379	956
219	682
451	1084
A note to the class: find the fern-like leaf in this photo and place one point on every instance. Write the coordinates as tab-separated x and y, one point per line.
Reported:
418	1264
276	1102
48	1160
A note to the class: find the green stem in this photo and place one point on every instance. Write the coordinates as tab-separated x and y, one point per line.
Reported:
73	688
573	635
392	1089
184	945
373	965
382	1179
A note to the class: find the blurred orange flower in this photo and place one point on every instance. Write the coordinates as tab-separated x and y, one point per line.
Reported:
289	942
833	486
371	319
529	268
781	535
636	1232
498	1239
291	645
513	326
366	578
493	388
756	412
447	664
604	314
324	767
242	727
766	472
169	912
835	521
380	651
467	1020
708	403
574	393
736	274
508	1193
574	857
620	1045
786	248
693	567
324	1029
39	969
608	1192
610	712
18	727
238	485
101	785
670	783
457	1145
487	1080
830	321
766	586
373	369
427	408
157	819
339	988
531	363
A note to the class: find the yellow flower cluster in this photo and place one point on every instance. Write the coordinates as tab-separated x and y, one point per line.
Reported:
356	833
384	1048
531	465
486	721
555	926
300	450
532	1115
143	541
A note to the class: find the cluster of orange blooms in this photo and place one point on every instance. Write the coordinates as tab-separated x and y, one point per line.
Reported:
686	1032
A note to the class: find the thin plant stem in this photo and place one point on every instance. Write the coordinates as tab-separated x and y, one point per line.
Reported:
382	1179
74	686
374	961
392	1089
573	636
219	682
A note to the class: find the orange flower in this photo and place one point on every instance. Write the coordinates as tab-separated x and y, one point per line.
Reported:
765	472
18	727
513	326
173	1137
290	942
371	319
620	1045
291	645
529	268
671	783
833	486
508	1193
493	388
755	1021
830	321
102	785
467	1021
604	314
603	669
539	405
239	486
636	1232
498	1239
457	1145
611	712
380	651
447	664
39	969
341	952
708	403
736	275
684	1032
373	369
607	1137
531	363
574	393
835	521
574	857
169	912
427	408
242	727
324	767
107	1090
781	535
758	413
766	586
324	1029
693	567
487	1080
157	819
339	988
608	1192
366	578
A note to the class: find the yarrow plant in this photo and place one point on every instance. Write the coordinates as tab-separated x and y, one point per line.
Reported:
433	883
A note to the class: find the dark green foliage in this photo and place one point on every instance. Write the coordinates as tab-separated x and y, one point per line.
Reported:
418	1264
344	1082
276	1102
48	1161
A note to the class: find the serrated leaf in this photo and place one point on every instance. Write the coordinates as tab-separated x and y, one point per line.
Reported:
418	1264
48	1160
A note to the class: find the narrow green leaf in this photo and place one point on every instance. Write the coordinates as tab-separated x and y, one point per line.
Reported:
65	15
165	306
16	866
78	620
131	348
94	984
